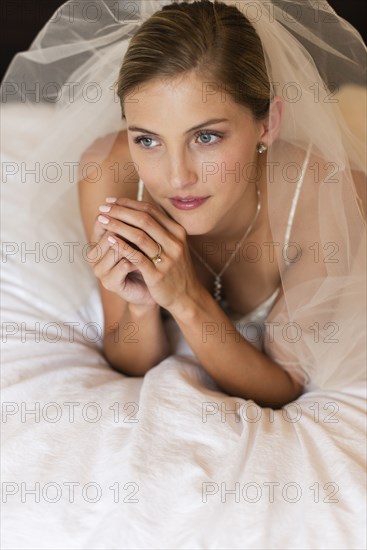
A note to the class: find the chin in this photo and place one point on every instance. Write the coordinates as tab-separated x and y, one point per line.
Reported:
195	229
193	225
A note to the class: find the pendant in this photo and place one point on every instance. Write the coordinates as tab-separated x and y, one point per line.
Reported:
217	288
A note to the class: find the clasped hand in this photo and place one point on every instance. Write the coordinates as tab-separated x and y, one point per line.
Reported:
125	267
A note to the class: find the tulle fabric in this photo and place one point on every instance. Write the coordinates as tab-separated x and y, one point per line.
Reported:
64	89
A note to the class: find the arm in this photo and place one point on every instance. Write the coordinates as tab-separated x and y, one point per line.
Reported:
234	364
134	339
137	342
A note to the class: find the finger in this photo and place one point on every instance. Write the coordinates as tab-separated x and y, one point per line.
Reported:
97	245
98	231
97	250
137	261
141	227
114	277
110	256
156	211
137	238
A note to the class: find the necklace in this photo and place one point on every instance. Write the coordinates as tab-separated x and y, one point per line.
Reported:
217	294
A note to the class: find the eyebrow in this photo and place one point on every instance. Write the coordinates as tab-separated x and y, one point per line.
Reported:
211	121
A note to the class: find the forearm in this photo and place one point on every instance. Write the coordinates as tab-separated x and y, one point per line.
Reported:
138	341
235	365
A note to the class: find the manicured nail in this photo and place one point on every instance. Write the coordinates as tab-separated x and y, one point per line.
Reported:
104	208
111	239
103	219
111	199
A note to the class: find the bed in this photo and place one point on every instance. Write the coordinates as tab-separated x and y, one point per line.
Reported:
95	459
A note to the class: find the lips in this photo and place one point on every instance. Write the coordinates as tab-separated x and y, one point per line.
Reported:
187	203
189	197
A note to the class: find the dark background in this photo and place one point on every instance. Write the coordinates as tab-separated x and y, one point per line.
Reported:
21	20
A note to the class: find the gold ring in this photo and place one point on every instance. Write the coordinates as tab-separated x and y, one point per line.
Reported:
157	258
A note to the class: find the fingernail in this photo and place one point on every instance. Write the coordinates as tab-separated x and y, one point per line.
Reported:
111	239
103	219
104	208
111	199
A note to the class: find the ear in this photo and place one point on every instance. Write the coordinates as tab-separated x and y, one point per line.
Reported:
270	126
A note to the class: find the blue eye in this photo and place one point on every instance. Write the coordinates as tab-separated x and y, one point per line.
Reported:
140	139
208	133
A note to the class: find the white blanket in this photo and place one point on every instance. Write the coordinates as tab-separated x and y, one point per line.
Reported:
94	459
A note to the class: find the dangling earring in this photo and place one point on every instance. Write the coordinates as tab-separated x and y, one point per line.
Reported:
261	147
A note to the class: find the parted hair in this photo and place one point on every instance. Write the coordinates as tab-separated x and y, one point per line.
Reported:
213	40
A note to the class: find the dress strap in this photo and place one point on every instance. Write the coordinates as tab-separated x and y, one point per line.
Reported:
139	196
295	200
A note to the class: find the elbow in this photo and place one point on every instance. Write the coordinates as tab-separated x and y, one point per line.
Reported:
133	366
287	393
298	389
127	367
294	391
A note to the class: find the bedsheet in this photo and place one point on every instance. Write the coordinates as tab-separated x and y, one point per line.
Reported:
91	458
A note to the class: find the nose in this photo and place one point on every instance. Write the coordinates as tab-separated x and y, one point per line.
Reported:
182	174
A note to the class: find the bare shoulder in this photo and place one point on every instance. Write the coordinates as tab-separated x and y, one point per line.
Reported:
106	169
116	142
108	158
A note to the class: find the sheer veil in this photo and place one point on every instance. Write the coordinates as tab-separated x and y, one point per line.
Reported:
59	97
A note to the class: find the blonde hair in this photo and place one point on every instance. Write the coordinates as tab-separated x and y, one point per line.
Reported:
215	40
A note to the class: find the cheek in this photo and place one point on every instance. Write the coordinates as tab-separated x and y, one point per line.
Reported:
151	183
227	194
231	176
144	169
239	166
238	152
235	193
135	162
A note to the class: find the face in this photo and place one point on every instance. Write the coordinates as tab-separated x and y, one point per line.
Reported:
186	143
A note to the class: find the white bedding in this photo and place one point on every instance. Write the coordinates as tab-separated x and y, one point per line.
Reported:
156	462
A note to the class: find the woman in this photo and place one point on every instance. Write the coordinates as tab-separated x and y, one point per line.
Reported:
247	227
177	89
282	235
